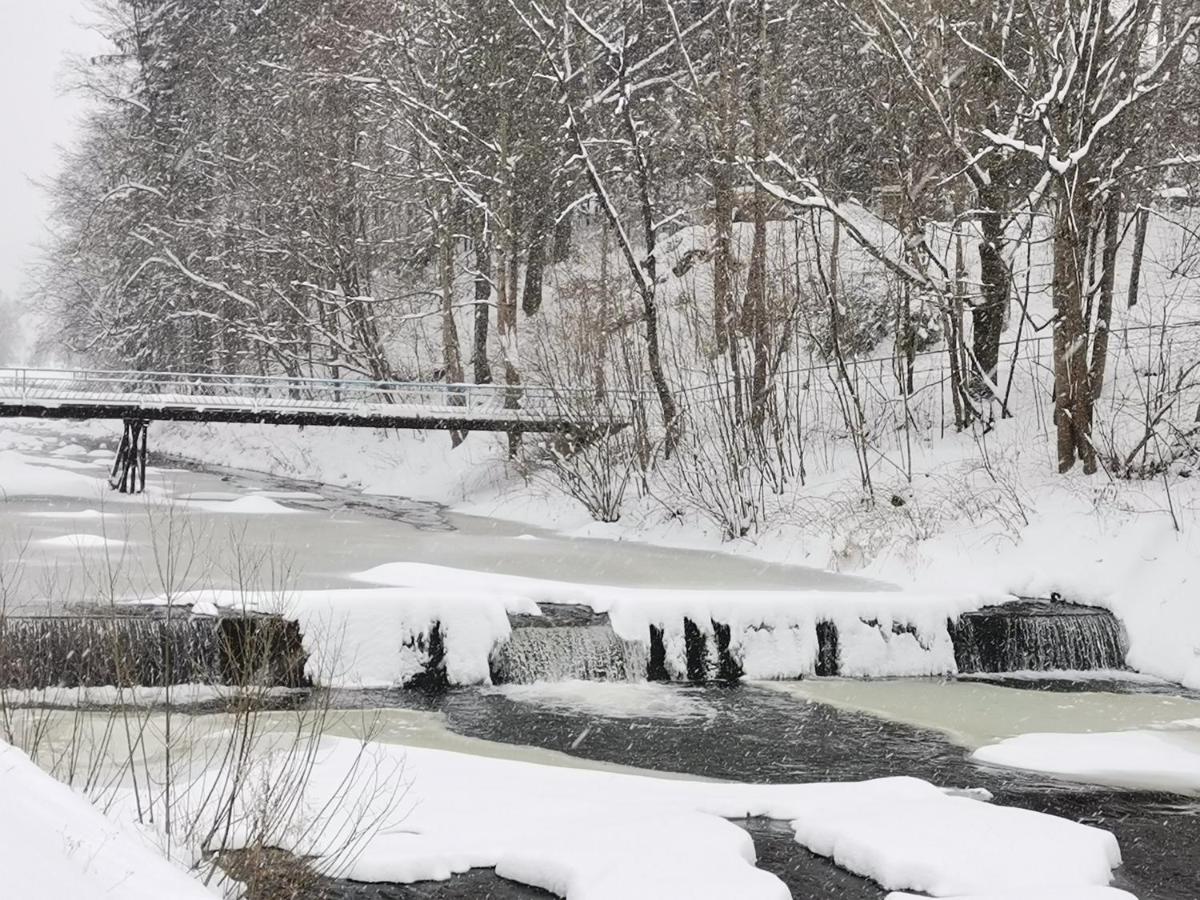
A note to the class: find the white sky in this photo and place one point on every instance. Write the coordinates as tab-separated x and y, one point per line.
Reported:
35	117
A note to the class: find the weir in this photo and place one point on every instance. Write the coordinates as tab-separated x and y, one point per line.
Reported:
147	647
1037	635
151	649
568	652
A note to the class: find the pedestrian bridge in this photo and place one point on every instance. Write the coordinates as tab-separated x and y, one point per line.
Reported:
276	400
138	398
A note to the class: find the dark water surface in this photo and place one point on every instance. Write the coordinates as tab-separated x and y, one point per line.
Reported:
753	734
757	735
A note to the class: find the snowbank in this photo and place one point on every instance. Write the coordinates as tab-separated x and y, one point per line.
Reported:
1088	893
609	836
1120	552
382	637
1167	760
773	634
81	541
55	845
20	478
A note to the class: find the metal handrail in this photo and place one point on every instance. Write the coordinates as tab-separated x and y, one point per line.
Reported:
286	392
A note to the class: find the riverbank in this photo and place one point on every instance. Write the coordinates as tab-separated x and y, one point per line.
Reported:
981	515
655	727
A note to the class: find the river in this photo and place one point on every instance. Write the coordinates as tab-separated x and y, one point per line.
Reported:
66	539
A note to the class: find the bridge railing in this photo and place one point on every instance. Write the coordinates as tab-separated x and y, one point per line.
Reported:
30	385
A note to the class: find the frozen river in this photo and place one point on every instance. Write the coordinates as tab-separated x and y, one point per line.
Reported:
79	541
66	538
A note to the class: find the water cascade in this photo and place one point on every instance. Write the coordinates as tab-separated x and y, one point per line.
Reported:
149	649
566	643
1038	636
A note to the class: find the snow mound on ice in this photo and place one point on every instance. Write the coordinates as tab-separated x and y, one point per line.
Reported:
613	836
18	478
254	505
70	450
1167	760
81	541
1087	893
57	845
80	514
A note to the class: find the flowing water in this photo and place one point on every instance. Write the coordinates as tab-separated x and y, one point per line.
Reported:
94	546
1017	637
586	652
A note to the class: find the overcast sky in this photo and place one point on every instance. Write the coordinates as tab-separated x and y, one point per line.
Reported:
35	116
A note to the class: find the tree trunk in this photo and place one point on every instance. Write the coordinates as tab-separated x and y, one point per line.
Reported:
1108	266
1139	250
451	355
506	329
531	299
1072	388
722	258
483	296
756	286
987	317
755	312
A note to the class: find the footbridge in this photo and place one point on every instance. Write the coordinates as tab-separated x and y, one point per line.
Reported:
138	398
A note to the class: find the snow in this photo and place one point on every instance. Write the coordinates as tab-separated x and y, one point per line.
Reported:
81	541
1109	545
20	478
772	633
1088	893
1166	760
80	514
70	450
56	845
378	638
603	836
253	505
1133	562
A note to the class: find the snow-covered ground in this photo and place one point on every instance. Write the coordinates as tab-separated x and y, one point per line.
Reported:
415	803
959	533
55	845
981	513
905	834
605	835
1166	759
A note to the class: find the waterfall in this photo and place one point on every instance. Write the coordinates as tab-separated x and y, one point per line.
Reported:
149	649
1038	636
564	652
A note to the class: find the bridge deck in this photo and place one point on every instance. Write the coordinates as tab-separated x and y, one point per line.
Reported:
153	396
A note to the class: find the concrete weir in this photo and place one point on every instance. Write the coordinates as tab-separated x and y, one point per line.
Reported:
1037	635
93	647
574	642
146	646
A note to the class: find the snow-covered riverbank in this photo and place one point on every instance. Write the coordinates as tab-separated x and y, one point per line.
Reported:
959	527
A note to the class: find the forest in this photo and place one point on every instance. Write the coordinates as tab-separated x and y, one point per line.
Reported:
791	239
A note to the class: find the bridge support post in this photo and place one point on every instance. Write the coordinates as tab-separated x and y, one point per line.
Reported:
128	473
